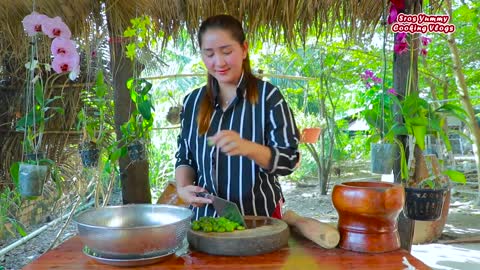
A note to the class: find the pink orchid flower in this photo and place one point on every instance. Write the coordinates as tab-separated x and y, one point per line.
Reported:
400	47
63	63
392	91
423	52
401	37
426	41
32	23
56	28
62	46
392	16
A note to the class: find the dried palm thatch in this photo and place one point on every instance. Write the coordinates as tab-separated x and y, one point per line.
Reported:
287	21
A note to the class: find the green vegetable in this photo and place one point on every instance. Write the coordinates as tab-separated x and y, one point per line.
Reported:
211	224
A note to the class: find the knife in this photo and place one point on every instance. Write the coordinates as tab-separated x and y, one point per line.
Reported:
224	208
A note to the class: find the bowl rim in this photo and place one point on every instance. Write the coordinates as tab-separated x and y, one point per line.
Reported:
75	217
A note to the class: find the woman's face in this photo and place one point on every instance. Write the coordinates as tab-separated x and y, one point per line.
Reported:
223	56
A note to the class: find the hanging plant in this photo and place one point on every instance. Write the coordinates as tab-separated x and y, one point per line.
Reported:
91	120
30	175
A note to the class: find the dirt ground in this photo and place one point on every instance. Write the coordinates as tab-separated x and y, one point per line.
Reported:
303	198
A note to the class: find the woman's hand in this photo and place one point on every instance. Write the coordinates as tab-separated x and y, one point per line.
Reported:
231	143
189	195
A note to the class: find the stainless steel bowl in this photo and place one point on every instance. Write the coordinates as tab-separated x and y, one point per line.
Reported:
133	231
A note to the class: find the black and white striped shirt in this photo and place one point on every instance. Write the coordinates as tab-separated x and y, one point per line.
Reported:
270	122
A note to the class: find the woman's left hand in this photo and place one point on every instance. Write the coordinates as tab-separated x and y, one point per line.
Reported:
231	143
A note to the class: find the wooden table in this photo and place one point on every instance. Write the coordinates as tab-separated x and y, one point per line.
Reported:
300	254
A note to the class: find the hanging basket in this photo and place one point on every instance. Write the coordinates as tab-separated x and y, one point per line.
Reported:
424	204
89	157
382	157
136	152
310	135
31	179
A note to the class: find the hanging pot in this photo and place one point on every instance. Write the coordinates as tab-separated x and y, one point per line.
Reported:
424	204
382	156
89	157
367	215
136	152
173	115
31	179
310	135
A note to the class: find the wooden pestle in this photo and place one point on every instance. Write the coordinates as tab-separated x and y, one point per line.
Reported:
323	234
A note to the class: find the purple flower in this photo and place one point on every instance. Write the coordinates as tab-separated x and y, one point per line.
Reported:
368	73
423	52
376	79
426	41
368	85
62	46
32	23
56	28
401	37
392	91
400	47
392	16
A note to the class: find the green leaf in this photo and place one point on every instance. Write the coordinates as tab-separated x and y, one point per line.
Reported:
100	88
129	32
131	50
144	108
129	83
456	176
419	133
134	96
57	179
39	93
18	227
14	172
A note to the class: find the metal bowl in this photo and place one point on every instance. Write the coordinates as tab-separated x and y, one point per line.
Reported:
133	231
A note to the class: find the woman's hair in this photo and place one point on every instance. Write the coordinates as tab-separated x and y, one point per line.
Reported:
232	25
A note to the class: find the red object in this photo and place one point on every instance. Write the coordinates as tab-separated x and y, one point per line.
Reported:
277	213
299	254
399	4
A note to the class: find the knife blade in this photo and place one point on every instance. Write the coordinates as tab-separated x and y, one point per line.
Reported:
224	208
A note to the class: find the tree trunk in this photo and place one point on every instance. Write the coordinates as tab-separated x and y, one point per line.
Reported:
133	176
465	99
401	69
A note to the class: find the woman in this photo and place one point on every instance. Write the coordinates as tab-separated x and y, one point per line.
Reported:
238	133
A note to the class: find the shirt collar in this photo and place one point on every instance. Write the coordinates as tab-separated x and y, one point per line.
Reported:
241	88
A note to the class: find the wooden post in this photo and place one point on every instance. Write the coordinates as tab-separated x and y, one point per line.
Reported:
401	69
134	176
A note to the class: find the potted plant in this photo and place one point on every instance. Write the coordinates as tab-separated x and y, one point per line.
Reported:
92	121
137	130
173	115
380	118
30	174
426	182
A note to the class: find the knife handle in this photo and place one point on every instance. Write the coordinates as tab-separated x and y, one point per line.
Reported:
204	195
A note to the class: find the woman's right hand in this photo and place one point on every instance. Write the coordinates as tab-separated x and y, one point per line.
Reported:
189	195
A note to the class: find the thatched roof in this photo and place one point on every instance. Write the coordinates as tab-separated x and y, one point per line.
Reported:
276	19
